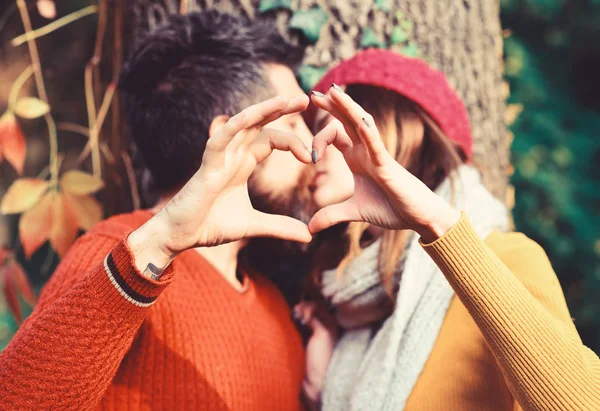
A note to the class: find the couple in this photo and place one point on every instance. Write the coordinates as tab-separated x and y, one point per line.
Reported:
150	310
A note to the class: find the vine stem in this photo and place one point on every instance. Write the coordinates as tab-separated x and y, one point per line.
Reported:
55	25
41	89
17	85
89	90
97	126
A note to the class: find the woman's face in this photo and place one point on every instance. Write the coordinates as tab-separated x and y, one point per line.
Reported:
333	181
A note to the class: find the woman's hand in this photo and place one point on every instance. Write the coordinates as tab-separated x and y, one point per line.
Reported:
319	349
214	207
385	193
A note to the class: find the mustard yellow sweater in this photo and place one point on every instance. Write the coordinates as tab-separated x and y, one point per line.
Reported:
508	341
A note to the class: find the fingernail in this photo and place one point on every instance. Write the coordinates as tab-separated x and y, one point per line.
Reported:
314	156
296	315
338	88
317	93
367	122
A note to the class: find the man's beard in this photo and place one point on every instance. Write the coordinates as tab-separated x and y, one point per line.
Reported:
296	202
285	262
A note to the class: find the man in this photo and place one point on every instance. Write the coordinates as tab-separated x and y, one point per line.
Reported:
142	313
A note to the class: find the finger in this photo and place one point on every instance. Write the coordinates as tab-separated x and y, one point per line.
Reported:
270	139
332	215
296	105
304	311
324	101
333	133
249	133
362	122
245	119
307	314
278	226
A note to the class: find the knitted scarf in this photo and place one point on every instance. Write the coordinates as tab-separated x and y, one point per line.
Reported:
385	344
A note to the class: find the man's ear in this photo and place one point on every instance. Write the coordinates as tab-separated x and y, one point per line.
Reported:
216	124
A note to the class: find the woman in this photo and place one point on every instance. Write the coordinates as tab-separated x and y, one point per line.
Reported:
441	319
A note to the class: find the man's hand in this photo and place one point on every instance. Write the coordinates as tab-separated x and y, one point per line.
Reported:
214	207
385	193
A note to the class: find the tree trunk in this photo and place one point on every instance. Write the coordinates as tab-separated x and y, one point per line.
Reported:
462	38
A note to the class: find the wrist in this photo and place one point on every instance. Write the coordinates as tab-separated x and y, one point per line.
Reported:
439	224
149	248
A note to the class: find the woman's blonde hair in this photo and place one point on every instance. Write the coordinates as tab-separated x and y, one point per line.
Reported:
415	140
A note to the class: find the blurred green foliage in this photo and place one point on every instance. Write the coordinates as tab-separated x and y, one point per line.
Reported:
552	63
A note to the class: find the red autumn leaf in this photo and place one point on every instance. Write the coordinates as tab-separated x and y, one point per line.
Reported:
20	280
12	142
10	294
88	210
23	194
64	225
35	224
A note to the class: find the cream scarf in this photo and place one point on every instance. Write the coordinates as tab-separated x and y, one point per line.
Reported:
385	345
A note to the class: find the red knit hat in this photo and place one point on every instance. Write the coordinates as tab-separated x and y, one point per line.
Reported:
409	77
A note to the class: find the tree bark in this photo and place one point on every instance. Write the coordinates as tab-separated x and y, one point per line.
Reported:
461	38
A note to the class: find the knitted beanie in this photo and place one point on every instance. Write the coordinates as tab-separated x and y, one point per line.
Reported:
409	77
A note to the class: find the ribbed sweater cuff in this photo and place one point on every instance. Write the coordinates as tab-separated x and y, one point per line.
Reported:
463	258
128	281
458	251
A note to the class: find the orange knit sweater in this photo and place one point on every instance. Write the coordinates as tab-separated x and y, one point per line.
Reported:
105	336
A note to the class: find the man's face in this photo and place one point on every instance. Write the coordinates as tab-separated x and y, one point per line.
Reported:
281	183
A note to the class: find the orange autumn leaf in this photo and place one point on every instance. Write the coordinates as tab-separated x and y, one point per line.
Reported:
14	283
21	281
35	224
64	225
12	142
10	294
88	210
80	183
23	194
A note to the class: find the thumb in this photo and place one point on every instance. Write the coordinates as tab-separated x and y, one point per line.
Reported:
278	226
332	215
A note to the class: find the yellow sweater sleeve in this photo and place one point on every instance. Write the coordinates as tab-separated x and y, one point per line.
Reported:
507	284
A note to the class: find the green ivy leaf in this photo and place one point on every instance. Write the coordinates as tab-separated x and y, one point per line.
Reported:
370	39
309	22
309	76
268	5
383	5
410	50
399	35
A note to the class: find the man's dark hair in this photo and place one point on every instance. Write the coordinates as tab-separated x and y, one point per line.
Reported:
189	71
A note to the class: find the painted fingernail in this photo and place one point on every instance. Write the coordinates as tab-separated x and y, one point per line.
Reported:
338	88
296	315
314	156
317	93
366	121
